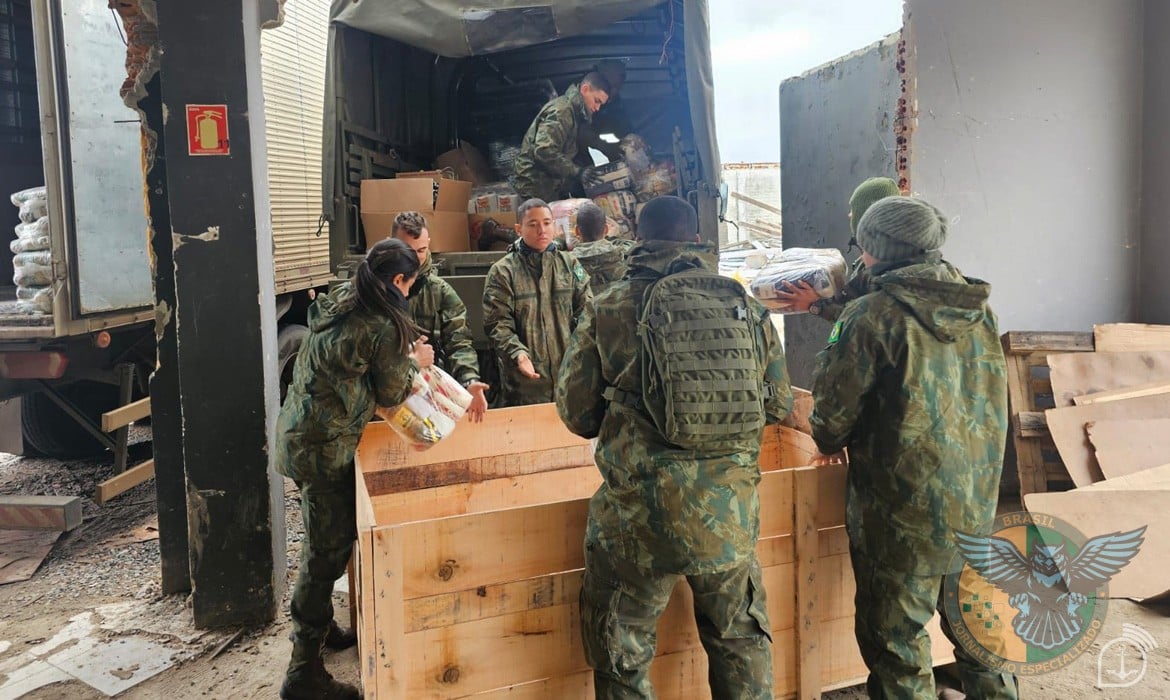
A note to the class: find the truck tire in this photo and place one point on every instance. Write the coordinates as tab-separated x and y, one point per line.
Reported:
53	433
288	343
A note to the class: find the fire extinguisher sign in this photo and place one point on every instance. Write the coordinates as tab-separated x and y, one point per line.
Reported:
207	130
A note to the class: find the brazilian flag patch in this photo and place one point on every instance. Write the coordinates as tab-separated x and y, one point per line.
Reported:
579	272
835	335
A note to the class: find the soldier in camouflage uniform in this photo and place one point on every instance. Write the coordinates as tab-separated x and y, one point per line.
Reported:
603	259
532	298
435	307
913	382
664	512
545	168
804	297
610	119
358	356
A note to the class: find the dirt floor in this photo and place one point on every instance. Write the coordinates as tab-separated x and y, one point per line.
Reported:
97	595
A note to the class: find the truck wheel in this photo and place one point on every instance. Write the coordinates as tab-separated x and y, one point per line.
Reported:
288	343
53	433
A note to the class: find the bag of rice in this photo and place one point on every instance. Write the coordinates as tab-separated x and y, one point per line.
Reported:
823	268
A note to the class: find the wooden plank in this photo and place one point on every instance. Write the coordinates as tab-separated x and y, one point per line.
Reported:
493	494
119	417
1078	374
367	634
390	647
1067	426
1030	424
1028	457
1151	389
807	549
123	482
1097	512
1131	337
802	405
1129	446
60	513
831	487
1019	342
469	471
492	601
1152	479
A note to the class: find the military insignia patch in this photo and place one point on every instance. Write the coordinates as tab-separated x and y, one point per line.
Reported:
579	272
835	335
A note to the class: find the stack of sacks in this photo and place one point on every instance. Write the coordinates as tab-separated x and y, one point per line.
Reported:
32	260
435	406
823	268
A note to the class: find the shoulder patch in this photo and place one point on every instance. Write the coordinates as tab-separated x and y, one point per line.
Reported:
578	271
835	334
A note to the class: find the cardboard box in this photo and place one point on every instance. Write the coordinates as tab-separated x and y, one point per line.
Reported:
468	163
445	214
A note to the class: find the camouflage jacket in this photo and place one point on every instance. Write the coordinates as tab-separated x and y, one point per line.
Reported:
531	303
437	309
913	382
610	119
349	364
856	286
603	260
663	508
545	167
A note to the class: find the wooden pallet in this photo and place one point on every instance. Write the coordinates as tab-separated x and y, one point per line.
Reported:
470	556
1030	394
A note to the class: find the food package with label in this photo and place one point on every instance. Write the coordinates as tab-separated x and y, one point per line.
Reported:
610	177
619	207
822	268
431	412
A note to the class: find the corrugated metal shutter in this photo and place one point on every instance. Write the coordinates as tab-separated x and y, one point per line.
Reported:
293	70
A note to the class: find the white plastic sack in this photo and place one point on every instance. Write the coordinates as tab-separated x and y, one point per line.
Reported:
435	406
19	198
40	227
33	269
28	245
822	268
34	209
34	300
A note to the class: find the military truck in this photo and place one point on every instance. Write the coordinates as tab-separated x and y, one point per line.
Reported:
64	126
407	82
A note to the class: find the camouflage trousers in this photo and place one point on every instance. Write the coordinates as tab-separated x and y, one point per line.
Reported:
620	607
328	512
893	609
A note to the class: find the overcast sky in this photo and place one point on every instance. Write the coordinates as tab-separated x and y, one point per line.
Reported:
756	44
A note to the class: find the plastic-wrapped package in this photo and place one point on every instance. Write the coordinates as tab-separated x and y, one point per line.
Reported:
564	214
34	300
40	227
34	209
28	245
606	178
618	205
660	179
33	269
636	153
824	269
432	411
19	198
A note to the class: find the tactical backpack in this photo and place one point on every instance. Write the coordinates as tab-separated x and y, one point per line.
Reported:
702	384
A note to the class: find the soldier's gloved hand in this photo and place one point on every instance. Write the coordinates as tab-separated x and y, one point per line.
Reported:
478	401
525	364
422	353
590	178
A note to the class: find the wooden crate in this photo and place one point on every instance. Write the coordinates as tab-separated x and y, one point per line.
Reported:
1030	394
470	558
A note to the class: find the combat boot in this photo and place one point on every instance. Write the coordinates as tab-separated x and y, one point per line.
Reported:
337	638
307	678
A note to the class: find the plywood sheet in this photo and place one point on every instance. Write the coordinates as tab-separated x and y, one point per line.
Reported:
22	551
1153	479
1080	373
1067	426
1129	446
1101	512
1131	337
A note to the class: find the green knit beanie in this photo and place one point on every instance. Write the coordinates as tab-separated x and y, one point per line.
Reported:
900	228
866	194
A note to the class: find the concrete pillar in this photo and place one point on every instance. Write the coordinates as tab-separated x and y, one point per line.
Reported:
223	315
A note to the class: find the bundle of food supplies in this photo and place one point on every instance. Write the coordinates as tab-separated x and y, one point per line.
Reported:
32	262
823	269
620	207
495	198
435	406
